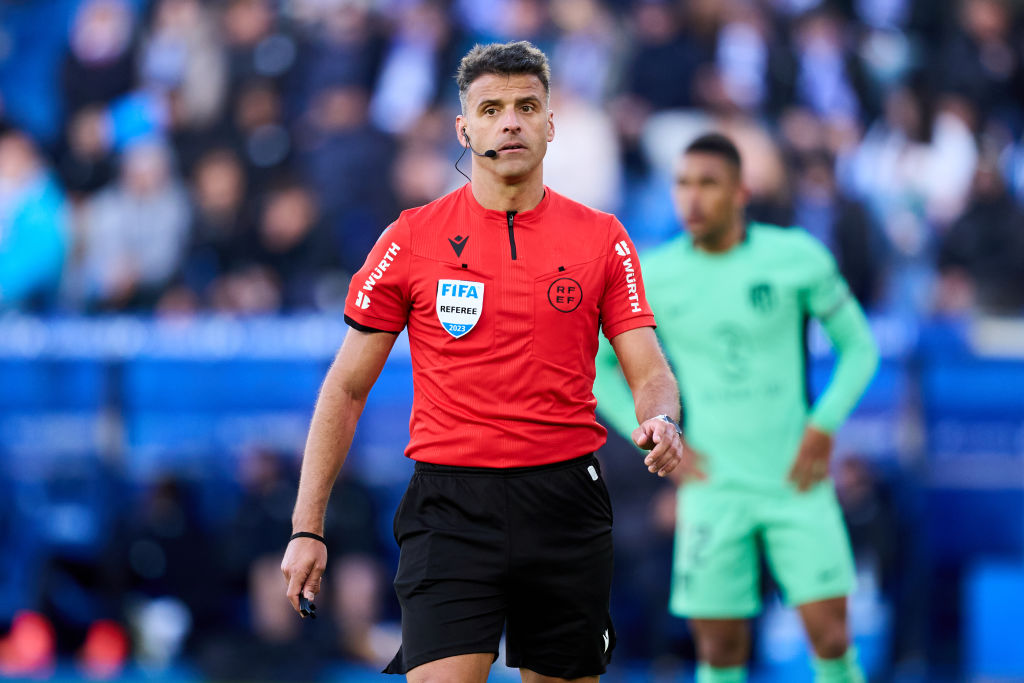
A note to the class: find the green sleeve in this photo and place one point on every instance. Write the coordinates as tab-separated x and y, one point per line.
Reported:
614	399
857	360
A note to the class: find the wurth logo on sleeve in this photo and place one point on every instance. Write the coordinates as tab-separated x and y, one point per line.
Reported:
631	293
362	300
622	249
377	273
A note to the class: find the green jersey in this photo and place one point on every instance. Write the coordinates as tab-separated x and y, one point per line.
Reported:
733	325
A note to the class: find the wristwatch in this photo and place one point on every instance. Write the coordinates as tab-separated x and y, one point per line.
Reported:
672	422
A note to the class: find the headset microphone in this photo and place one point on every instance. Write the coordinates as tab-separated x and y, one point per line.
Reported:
490	154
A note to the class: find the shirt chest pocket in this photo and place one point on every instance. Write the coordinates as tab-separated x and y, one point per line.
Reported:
566	315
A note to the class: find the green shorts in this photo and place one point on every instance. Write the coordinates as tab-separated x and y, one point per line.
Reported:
718	536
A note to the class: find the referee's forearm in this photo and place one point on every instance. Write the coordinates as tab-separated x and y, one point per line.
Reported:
658	395
330	436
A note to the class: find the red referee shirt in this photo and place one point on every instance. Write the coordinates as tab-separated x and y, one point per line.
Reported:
503	311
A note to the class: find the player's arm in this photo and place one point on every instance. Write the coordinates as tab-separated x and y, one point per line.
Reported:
856	361
342	398
655	392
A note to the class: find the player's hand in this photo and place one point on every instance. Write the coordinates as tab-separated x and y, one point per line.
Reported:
661	439
303	566
691	467
812	459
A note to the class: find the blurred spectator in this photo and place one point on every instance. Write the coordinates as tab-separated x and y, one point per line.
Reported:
518	20
85	157
981	62
423	173
357	587
134	233
172	596
660	73
919	156
586	52
417	62
291	262
882	555
743	60
260	135
348	162
981	258
81	579
764	171
871	518
583	161
263	519
349	606
182	57
100	63
841	223
295	247
257	47
34	231
223	227
34	42
828	80
276	645
662	68
913	170
346	45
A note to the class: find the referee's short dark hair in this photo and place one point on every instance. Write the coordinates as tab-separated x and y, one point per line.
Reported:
717	144
502	59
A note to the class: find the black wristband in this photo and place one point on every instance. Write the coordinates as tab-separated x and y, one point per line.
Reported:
308	534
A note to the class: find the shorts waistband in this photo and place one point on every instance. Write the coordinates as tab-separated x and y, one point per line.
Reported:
461	471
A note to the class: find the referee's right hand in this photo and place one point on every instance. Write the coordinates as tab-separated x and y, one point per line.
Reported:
303	566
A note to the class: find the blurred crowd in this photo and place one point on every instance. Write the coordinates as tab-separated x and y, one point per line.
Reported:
129	580
241	156
174	157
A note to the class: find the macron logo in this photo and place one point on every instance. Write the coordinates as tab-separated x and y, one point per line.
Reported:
362	300
622	248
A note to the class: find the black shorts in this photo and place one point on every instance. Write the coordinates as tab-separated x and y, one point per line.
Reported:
528	549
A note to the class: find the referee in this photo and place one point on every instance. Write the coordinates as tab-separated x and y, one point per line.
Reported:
504	287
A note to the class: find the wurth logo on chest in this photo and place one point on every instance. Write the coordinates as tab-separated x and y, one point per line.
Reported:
362	300
377	273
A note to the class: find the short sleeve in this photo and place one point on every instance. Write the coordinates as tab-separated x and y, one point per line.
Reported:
624	304
378	295
825	290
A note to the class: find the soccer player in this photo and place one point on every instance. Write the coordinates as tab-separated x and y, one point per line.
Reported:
504	287
732	299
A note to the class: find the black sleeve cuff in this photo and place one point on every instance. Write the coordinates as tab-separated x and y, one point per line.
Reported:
364	328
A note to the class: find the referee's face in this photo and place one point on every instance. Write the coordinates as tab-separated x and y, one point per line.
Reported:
708	195
508	114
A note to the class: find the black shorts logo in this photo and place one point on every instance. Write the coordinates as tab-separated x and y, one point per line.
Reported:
565	294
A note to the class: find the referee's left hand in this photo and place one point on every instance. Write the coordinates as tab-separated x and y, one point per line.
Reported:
663	442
